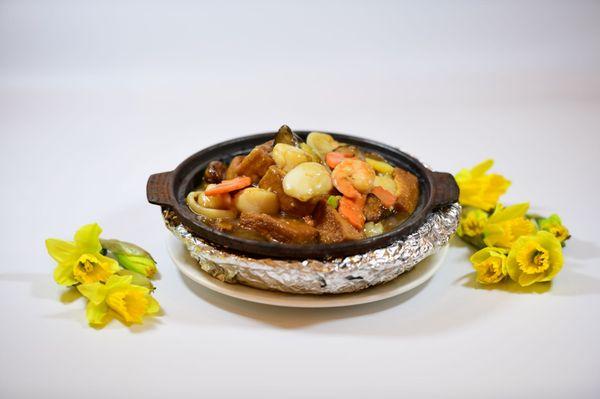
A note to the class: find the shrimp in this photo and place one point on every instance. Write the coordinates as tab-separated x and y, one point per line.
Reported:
353	177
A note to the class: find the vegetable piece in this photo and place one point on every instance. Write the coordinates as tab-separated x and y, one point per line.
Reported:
215	172
387	199
227	186
352	177
351	150
214	213
333	201
287	157
285	135
308	149
194	205
321	143
306	181
380	166
334	158
221	201
387	182
256	200
351	209
374	155
373	229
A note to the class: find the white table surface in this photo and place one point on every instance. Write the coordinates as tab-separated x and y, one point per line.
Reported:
96	97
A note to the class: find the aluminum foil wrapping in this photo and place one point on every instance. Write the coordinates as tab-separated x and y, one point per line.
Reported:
333	276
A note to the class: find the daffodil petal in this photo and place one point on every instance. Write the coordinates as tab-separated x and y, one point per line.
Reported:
87	238
116	281
63	274
481	168
528	279
113	265
556	256
153	306
95	292
97	314
481	255
502	214
61	251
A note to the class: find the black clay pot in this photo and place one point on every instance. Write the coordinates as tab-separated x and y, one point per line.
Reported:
169	189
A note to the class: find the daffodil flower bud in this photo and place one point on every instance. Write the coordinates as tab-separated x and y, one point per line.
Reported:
137	279
131	257
554	225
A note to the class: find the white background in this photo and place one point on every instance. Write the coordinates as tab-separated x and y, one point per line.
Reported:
96	97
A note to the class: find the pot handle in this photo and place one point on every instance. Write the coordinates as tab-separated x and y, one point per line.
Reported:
445	189
158	189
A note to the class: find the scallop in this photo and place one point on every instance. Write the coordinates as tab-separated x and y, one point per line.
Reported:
307	180
321	143
257	200
287	157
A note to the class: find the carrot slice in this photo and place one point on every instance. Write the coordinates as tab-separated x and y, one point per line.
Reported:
387	199
334	158
227	186
352	211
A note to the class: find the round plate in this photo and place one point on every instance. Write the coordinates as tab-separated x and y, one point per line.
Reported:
422	272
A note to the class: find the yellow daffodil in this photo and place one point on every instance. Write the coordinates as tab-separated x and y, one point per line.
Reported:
507	224
118	297
535	258
479	189
80	261
131	257
554	225
490	265
472	223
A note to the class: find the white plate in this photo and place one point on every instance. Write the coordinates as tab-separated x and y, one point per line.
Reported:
405	282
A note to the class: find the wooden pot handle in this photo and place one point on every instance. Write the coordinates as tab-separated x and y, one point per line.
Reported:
159	188
445	189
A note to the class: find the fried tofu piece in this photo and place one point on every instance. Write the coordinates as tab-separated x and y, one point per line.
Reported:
332	226
273	181
279	229
407	185
232	169
374	210
256	163
268	146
